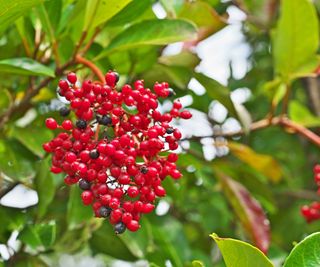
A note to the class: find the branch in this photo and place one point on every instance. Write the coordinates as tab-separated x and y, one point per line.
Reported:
280	121
92	66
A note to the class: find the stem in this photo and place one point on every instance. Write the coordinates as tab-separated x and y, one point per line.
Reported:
92	66
88	45
96	136
82	38
286	100
281	121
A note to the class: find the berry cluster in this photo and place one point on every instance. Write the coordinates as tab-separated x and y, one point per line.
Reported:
118	149
312	212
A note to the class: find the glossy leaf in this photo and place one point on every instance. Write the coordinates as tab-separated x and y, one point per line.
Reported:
25	66
185	59
100	11
197	264
261	162
306	253
237	253
12	10
152	32
296	39
249	211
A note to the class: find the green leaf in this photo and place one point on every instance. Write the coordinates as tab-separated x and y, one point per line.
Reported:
32	137
15	160
204	16
5	100
77	213
130	12
296	39
39	235
197	264
151	32
301	114
12	10
237	253
184	59
45	186
306	253
265	164
249	211
105	241
25	66
217	91
100	11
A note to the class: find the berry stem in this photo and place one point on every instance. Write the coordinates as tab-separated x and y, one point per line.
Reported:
96	135
91	66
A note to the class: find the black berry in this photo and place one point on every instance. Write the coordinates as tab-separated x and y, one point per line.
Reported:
94	154
84	184
81	124
169	130
105	120
105	211
64	111
171	92
144	169
119	228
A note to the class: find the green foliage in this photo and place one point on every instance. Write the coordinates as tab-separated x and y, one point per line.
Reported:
255	177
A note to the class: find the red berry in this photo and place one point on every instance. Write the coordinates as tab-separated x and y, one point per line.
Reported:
72	77
51	123
87	197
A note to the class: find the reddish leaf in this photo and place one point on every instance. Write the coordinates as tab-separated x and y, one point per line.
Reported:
249	211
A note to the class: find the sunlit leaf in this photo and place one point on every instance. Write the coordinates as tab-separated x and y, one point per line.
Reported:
296	39
300	114
306	253
12	10
237	253
151	32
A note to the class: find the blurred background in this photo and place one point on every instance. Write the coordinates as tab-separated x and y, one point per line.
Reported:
231	63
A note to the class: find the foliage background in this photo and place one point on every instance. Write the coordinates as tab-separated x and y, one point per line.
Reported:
39	42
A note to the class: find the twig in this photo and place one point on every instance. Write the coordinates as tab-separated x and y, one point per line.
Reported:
88	45
92	66
281	121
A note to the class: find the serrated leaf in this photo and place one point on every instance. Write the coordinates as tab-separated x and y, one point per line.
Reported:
296	39
100	11
265	164
248	210
237	253
151	32
25	66
12	10
306	253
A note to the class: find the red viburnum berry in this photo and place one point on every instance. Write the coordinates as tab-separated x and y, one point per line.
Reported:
117	158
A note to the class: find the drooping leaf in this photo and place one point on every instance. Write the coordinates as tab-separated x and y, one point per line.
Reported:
306	253
185	59
100	11
300	114
296	39
151	32
25	66
12	10
77	212
217	91
249	211
261	162
237	253
45	186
